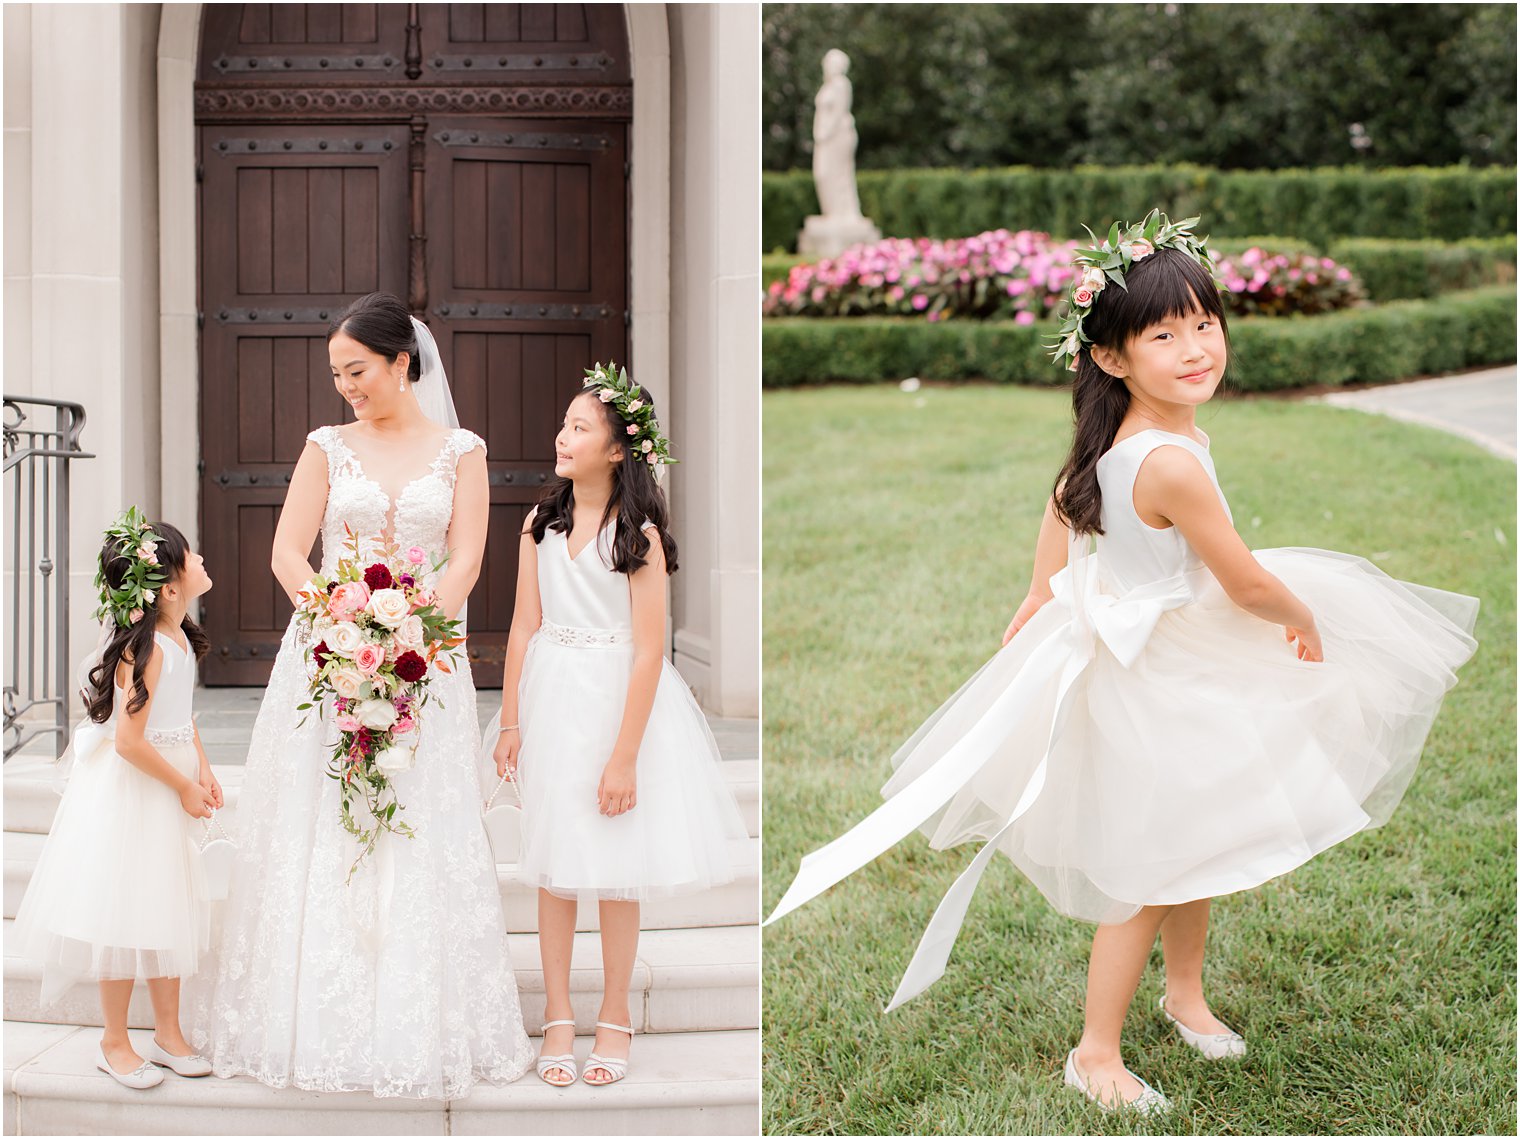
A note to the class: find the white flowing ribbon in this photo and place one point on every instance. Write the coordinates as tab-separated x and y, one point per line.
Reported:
1123	624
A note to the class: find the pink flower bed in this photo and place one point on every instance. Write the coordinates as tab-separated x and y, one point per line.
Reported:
1024	277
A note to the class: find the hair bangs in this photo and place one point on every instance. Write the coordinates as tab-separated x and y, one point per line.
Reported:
1166	285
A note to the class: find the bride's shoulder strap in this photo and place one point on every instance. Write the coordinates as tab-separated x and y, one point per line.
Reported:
330	439
460	443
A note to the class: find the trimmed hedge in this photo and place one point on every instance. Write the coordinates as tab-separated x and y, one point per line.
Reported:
1367	345
1392	269
1448	203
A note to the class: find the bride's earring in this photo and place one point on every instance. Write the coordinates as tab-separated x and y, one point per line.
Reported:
401	381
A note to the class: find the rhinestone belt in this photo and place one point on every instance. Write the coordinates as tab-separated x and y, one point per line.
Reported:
159	738
584	638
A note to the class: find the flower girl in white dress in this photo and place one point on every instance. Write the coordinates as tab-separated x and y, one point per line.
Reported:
117	894
1175	716
622	788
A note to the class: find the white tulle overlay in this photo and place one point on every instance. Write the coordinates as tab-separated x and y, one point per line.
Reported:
400	981
117	892
570	705
1142	740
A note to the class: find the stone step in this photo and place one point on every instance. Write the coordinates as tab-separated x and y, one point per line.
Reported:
680	1083
32	792
736	903
684	980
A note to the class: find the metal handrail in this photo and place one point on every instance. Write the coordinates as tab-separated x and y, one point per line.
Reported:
37	460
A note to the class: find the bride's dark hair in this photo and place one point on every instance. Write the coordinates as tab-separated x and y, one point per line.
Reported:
134	643
381	323
635	497
1160	287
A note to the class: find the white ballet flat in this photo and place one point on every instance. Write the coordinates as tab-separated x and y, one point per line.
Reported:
1148	1102
1214	1046
144	1076
192	1066
565	1062
616	1065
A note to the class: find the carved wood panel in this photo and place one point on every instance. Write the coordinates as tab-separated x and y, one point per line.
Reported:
471	159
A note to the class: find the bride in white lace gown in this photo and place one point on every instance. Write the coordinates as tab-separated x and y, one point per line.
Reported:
400	981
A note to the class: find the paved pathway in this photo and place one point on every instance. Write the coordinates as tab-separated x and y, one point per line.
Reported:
1479	406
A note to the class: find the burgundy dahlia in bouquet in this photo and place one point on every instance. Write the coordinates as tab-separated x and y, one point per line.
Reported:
375	634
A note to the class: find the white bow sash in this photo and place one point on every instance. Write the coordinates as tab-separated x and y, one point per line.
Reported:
1123	624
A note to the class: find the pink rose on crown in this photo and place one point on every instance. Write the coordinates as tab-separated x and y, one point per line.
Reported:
1140	248
1082	295
605	395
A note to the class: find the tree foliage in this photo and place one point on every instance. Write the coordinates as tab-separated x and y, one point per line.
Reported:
1238	86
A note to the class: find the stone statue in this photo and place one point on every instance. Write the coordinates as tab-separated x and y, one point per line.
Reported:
840	225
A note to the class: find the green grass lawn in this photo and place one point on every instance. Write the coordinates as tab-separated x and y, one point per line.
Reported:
1375	985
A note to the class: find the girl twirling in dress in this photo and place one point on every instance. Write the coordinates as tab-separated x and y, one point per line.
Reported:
117	894
623	796
1172	717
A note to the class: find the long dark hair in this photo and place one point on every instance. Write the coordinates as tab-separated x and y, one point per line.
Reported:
1160	287
635	497
134	642
381	323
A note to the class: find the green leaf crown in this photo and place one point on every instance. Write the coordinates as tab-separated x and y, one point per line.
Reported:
130	533
612	385
1108	261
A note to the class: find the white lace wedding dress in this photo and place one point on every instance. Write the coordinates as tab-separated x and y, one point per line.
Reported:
400	981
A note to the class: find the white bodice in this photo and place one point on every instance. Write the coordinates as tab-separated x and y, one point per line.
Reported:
170	707
1131	552
584	592
419	516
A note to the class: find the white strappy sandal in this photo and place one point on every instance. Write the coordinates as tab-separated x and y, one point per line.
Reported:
565	1062
616	1065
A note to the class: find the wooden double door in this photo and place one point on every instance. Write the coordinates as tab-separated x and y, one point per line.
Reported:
495	206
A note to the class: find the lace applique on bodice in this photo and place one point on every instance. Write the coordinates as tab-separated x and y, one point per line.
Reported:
420	514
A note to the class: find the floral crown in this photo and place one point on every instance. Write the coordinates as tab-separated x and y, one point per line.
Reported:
134	539
612	386
1108	261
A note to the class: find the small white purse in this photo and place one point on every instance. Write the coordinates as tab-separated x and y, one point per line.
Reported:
216	860
502	816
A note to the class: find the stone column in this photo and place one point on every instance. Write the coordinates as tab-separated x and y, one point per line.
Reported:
715	286
92	228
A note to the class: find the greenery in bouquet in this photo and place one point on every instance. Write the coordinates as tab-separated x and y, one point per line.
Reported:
375	633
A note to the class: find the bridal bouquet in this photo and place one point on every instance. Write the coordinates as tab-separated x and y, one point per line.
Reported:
375	634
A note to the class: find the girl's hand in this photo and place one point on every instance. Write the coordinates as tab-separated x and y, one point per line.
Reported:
616	792
196	800
1027	610
1308	646
507	745
208	781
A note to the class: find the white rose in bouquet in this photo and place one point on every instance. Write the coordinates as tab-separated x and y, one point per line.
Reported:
344	638
389	607
398	757
376	715
409	633
347	681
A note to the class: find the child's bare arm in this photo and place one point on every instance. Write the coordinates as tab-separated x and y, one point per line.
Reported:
133	746
527	616
1050	552
1173	485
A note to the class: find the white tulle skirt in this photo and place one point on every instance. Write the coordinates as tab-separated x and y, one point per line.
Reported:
117	893
1216	760
675	840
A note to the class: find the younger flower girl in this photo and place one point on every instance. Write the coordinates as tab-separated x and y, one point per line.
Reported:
623	795
117	894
